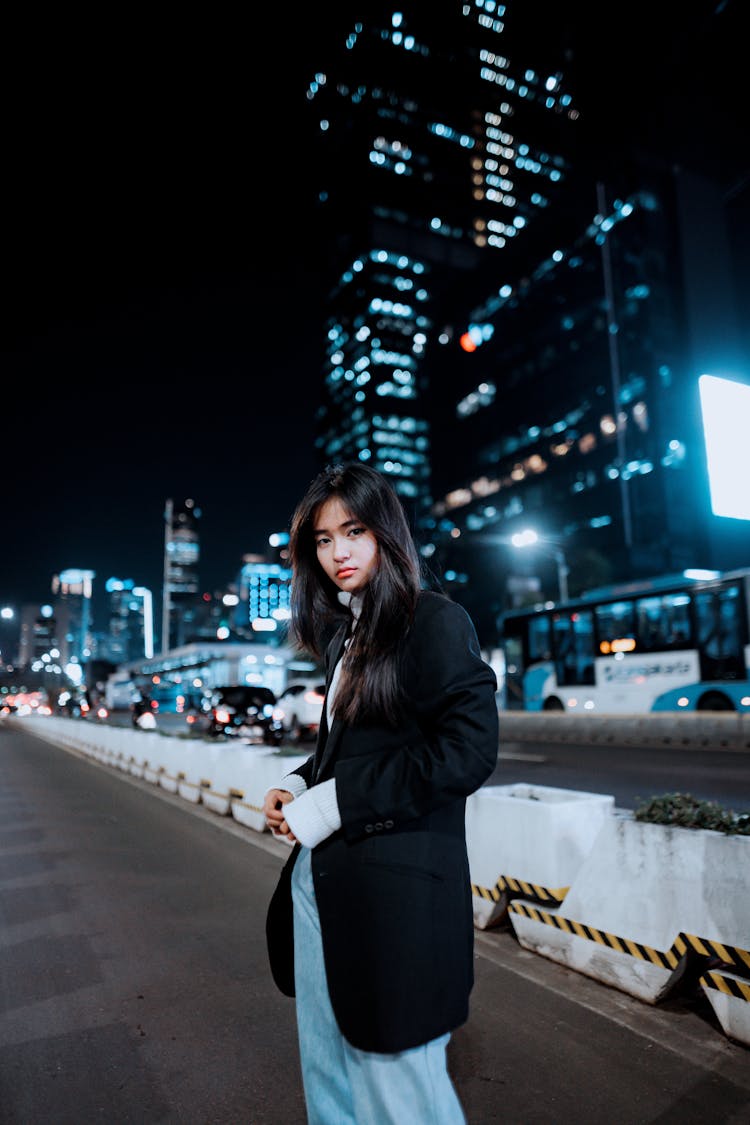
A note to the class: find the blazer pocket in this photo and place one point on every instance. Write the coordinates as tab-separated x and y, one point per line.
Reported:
389	853
406	869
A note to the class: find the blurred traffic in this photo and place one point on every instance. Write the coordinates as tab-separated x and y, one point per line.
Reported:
246	713
298	710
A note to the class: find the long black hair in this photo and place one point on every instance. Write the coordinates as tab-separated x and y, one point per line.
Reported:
369	683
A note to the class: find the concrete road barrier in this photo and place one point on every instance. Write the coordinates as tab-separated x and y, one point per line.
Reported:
718	730
528	840
264	771
649	900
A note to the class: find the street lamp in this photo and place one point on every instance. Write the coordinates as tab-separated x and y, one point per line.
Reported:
530	538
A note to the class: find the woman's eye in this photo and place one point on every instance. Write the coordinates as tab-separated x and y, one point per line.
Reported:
356	530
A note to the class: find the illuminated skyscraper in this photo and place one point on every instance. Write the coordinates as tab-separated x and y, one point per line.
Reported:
38	634
72	590
181	558
521	302
262	609
435	152
130	632
576	412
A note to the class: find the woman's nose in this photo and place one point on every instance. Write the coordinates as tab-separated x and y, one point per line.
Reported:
341	549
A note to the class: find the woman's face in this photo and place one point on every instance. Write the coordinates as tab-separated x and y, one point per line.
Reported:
347	550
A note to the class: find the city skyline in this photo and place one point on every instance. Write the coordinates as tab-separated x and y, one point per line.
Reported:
162	337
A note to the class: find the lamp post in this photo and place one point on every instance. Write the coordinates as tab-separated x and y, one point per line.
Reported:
530	538
7	654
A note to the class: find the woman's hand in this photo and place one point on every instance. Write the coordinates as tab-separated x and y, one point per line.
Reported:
273	810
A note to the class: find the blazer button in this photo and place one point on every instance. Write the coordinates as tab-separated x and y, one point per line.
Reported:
378	827
387	824
368	828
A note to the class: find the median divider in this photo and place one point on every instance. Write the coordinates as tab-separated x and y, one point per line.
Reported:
229	779
715	730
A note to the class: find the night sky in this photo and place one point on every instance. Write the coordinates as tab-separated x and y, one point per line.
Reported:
153	340
152	345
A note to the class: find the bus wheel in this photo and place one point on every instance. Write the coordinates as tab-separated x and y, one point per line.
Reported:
552	703
714	701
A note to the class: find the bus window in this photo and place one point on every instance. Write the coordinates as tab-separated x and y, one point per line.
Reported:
615	627
514	669
540	639
574	647
679	628
720	633
664	622
651	624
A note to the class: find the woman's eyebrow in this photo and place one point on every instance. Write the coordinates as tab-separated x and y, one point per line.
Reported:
325	530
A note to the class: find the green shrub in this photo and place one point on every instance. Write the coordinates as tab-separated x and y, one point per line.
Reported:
685	811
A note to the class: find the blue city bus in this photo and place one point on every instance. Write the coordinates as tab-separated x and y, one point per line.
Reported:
675	643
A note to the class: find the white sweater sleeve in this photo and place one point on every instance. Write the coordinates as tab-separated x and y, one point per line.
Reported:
293	784
314	815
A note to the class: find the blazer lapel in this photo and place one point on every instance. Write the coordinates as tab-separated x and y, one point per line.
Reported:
335	649
327	749
325	744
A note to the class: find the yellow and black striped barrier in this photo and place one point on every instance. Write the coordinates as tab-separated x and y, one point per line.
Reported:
669	960
729	985
509	888
684	945
729	955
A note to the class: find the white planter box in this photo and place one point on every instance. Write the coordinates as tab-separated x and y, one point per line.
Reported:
528	834
264	769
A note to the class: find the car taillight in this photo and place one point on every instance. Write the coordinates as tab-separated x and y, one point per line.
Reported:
313	697
222	716
102	713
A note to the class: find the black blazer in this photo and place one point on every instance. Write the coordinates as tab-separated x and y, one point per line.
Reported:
392	884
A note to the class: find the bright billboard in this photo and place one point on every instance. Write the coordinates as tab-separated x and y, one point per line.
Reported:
725	406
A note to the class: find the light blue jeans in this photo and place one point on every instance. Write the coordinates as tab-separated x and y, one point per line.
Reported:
345	1086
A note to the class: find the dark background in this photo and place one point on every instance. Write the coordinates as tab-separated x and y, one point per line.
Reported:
161	315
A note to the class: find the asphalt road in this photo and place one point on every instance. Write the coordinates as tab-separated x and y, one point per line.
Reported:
630	774
134	985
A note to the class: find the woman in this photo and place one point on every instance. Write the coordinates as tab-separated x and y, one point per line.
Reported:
371	923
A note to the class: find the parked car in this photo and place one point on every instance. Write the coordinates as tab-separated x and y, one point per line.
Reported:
242	711
299	708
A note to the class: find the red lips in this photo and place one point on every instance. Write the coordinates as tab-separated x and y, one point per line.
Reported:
345	571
